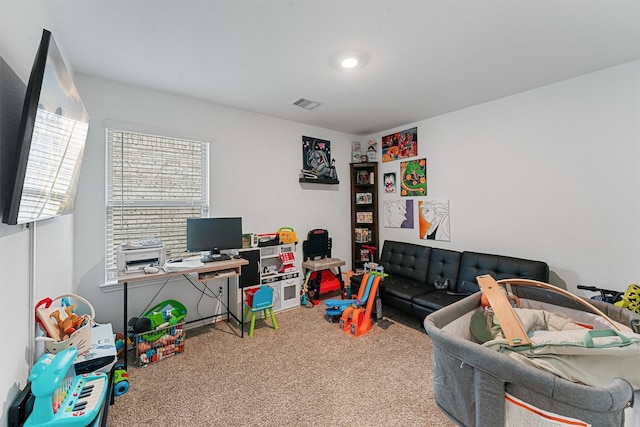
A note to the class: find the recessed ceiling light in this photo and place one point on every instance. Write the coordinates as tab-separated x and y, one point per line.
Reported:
349	62
349	59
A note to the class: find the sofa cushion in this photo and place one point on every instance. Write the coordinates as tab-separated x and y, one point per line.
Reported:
443	265
405	260
428	303
474	264
399	291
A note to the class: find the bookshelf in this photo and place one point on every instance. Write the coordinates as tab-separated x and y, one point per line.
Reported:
364	214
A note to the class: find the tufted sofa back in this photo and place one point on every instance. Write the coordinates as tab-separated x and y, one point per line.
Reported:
405	260
474	264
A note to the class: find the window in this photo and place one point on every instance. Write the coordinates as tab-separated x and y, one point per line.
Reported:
154	183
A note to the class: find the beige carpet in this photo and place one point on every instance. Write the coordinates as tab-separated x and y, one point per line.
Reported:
307	373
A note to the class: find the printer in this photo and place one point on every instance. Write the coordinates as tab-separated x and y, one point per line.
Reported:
134	260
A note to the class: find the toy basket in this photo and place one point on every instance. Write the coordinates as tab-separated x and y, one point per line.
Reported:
61	307
166	342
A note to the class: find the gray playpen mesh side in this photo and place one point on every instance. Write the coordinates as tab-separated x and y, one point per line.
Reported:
470	380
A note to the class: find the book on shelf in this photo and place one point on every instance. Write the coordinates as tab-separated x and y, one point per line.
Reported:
364	217
362	235
364	198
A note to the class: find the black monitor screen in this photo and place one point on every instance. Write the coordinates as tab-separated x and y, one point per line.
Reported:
213	234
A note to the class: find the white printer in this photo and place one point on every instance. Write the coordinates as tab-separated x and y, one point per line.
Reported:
133	259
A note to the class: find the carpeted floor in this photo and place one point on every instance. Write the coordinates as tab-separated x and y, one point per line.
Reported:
307	373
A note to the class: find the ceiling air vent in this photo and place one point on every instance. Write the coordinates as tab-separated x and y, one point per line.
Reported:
306	104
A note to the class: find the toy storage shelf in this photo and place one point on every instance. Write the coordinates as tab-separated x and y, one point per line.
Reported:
364	214
286	285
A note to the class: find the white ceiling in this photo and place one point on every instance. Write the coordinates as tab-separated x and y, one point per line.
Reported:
426	57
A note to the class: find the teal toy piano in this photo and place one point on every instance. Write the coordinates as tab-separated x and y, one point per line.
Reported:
63	398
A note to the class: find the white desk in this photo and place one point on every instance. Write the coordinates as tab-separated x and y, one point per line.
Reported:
204	273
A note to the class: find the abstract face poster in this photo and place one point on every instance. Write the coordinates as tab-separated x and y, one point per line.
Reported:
433	216
400	145
398	213
413	178
389	182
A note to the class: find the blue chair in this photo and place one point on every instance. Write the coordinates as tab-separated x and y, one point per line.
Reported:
256	300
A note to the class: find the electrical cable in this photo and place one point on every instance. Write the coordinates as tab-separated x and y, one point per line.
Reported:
154	297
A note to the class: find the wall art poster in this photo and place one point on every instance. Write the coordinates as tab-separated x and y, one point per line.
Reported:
389	182
413	178
398	213
433	216
316	158
400	145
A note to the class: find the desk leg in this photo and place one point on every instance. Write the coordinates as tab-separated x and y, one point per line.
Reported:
229	313
241	311
124	325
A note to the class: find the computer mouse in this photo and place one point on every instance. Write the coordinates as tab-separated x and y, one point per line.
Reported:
149	269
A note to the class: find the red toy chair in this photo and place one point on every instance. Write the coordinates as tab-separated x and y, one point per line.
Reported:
259	299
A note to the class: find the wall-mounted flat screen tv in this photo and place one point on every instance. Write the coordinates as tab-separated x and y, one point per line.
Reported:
51	139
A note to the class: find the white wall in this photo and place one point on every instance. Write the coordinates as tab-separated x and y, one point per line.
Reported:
550	174
255	161
21	27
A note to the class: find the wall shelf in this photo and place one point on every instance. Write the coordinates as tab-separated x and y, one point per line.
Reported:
319	180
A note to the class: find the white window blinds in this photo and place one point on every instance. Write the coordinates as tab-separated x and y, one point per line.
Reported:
154	183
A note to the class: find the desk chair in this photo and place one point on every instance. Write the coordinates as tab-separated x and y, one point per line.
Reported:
259	299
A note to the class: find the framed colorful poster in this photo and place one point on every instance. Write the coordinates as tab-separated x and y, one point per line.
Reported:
433	216
400	145
389	182
316	158
413	180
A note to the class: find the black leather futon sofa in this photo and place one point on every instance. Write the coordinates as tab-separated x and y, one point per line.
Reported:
415	270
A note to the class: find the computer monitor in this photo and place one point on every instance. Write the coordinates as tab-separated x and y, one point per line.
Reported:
214	234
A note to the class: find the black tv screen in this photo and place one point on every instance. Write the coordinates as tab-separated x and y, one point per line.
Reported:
51	139
213	234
